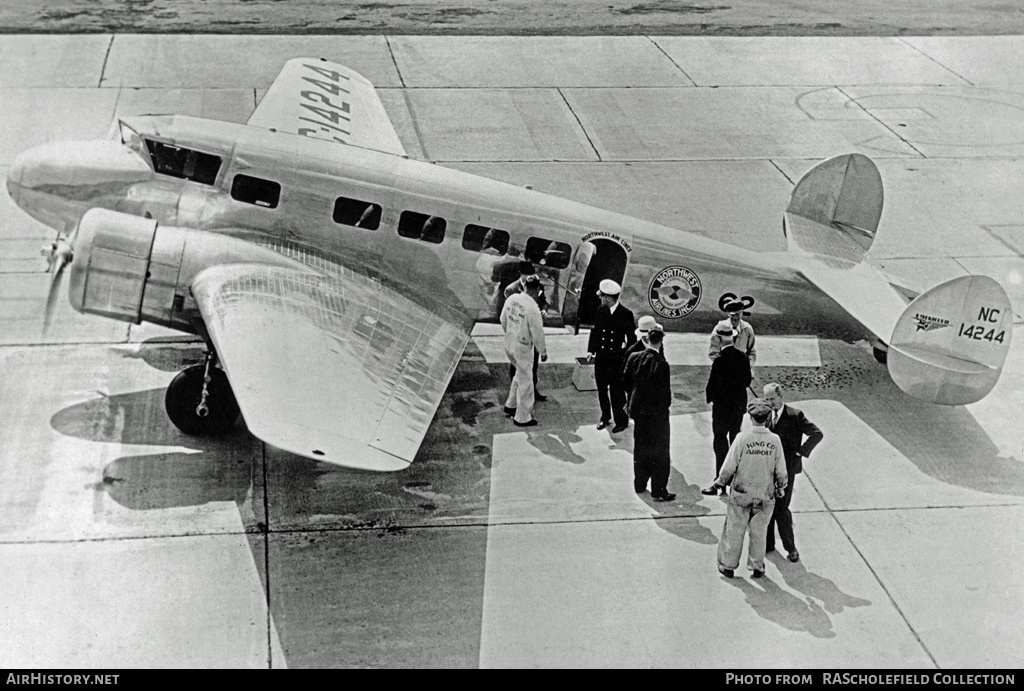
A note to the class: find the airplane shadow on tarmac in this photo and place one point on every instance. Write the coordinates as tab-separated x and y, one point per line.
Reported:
217	469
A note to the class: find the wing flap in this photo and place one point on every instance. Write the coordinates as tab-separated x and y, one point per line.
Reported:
335	368
327	101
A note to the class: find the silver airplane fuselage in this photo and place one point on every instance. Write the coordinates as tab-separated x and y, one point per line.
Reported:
439	234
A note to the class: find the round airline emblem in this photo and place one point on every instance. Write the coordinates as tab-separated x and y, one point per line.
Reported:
675	292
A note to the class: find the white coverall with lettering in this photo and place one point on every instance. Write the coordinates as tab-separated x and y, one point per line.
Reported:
524	331
755	466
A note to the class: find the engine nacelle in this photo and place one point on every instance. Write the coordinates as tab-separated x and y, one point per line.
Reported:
125	267
110	264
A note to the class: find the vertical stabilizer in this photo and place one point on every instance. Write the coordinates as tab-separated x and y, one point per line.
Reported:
844	192
950	343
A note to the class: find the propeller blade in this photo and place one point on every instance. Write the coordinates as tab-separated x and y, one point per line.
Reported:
51	296
59	256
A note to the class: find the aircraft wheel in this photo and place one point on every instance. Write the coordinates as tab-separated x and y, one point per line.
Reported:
881	355
185	394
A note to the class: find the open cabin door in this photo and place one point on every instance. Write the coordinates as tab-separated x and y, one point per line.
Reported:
609	260
574	285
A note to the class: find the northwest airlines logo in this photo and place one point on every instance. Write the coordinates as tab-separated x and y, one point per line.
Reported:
926	323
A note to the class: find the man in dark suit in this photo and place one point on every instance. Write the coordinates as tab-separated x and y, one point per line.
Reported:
611	336
727	393
646	377
792	426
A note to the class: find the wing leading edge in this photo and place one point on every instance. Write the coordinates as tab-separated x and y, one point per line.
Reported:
337	369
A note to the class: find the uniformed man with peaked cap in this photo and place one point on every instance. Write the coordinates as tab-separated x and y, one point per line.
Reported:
611	336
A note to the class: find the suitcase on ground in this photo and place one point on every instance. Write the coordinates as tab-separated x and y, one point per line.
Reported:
583	375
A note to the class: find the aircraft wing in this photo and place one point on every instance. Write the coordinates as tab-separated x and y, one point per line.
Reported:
339	369
327	101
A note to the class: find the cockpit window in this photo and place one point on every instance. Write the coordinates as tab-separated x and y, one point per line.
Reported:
183	163
130	137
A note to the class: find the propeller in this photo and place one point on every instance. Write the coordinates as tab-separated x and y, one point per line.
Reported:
59	254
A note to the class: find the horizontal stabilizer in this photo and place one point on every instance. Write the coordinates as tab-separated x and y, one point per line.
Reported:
950	343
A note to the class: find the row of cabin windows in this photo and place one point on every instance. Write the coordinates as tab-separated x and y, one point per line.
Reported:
203	168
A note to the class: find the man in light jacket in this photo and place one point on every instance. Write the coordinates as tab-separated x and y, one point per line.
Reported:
756	469
524	332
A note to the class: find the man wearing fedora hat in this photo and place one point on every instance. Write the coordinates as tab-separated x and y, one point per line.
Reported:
645	325
611	336
727	393
743	333
646	379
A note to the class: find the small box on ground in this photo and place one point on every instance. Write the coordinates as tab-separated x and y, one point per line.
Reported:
583	375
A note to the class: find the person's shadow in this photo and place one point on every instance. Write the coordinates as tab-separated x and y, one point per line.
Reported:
797	577
679	516
772	603
556	444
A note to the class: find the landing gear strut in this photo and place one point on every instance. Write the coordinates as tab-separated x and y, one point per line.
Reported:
200	401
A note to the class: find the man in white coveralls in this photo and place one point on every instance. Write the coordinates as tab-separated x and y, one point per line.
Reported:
524	331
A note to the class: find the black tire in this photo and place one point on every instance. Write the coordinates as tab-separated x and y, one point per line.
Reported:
881	355
183	396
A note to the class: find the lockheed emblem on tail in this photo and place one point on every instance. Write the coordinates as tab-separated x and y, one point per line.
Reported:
335	281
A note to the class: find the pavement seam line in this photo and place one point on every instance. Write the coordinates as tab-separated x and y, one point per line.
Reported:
929	57
885	127
266	557
877	578
677	65
394	61
103	68
579	122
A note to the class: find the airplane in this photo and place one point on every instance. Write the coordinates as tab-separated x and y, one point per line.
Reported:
335	281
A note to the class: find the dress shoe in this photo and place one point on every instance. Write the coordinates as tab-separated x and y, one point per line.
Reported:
619	428
539	397
757	574
794	556
603	424
640	491
667	496
528	423
768	549
710	491
728	573
510	411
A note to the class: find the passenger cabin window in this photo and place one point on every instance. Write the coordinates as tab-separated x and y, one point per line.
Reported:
547	253
256	191
489	240
353	212
183	163
421	227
